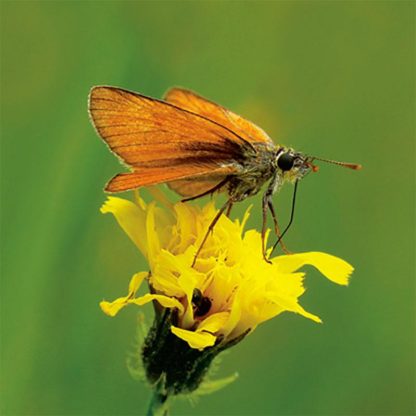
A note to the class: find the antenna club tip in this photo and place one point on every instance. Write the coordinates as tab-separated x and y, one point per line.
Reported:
354	166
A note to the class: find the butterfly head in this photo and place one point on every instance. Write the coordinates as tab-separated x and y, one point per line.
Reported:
293	165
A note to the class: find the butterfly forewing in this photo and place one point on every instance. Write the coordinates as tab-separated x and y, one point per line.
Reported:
146	132
195	103
160	141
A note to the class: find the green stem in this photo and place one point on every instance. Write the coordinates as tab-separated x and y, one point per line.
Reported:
158	405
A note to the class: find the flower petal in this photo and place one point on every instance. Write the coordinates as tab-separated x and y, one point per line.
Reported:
214	322
291	305
136	282
233	318
131	218
159	196
158	231
165	301
113	308
333	268
197	340
153	243
308	315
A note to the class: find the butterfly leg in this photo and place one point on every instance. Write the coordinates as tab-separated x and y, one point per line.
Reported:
292	214
211	227
277	228
229	209
265	202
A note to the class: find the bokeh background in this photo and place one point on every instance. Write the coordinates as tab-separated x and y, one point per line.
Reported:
334	79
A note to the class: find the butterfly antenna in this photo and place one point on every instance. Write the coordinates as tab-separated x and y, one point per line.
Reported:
354	166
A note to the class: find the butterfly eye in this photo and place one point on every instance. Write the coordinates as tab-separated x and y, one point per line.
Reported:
285	161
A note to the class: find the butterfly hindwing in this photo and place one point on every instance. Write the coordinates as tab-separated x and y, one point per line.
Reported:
186	180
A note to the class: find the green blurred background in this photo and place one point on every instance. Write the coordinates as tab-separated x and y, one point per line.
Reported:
334	79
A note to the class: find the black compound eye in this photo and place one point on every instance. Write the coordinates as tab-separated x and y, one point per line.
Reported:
285	161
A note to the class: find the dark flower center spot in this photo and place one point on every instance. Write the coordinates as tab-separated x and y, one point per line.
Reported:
200	303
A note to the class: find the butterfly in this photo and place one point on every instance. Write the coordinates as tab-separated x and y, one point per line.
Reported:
197	147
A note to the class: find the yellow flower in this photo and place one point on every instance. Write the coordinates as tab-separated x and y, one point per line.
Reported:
230	289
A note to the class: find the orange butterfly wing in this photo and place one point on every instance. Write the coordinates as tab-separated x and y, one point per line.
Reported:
190	186
195	186
193	102
161	142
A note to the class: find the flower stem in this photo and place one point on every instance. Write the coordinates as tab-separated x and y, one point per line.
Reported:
158	405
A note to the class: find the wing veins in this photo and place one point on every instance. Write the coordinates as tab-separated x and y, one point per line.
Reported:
121	90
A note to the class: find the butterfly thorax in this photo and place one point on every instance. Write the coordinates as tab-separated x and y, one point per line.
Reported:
256	169
269	162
